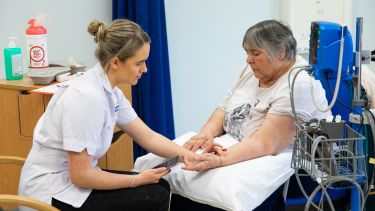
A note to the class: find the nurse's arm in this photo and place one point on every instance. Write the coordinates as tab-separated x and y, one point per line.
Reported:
152	141
83	175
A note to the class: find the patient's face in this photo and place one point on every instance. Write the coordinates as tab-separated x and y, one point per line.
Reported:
260	63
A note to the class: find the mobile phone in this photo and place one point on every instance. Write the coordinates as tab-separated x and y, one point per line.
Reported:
169	163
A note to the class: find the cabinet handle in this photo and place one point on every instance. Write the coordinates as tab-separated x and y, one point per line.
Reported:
24	92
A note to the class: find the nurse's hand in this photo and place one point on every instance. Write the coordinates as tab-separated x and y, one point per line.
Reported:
150	176
188	158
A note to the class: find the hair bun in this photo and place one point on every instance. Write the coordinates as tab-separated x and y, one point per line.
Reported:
97	29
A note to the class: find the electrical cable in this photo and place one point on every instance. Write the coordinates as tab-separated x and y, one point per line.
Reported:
371	120
345	105
291	90
331	181
313	151
338	80
341	178
303	190
359	129
323	183
316	190
321	202
314	147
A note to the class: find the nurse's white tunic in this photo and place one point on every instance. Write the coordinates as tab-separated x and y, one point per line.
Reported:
81	116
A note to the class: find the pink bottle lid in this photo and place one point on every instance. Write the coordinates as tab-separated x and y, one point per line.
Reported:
34	29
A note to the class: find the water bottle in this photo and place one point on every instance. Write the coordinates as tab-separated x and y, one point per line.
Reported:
36	41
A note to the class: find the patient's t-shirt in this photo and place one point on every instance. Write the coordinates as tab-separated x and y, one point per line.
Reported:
246	104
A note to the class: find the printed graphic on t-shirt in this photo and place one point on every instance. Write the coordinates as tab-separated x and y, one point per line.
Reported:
236	120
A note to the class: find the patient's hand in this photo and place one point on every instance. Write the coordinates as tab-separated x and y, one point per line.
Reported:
204	162
200	141
210	146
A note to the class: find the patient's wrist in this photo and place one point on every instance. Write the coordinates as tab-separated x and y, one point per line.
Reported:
220	161
206	129
216	162
223	160
207	134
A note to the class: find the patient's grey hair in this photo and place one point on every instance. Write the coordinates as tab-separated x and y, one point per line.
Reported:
123	38
273	36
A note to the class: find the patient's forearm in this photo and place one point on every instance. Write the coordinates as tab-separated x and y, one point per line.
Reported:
247	150
276	133
257	146
214	125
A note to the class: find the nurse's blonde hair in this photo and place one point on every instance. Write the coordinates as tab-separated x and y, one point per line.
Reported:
123	38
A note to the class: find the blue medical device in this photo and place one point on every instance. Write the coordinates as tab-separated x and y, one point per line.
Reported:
324	56
324	50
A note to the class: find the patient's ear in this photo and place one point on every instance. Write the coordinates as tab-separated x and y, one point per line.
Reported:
281	55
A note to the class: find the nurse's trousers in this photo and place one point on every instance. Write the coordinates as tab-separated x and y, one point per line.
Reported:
146	197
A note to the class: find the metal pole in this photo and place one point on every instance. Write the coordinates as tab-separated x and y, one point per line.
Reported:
357	101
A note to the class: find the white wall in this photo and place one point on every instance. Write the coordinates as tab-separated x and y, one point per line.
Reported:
365	9
205	51
66	26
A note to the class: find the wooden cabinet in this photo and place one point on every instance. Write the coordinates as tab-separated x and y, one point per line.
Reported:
19	113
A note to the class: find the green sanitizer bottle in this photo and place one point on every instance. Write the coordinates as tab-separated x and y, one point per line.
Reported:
13	61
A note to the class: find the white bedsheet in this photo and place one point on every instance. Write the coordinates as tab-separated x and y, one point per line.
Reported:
368	83
242	186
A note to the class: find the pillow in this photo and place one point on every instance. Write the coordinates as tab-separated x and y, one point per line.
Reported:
241	186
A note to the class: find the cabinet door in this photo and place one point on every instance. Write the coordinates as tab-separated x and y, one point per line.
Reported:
9	132
9	121
46	99
18	115
31	108
120	155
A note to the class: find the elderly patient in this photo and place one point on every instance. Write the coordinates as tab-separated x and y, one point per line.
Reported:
257	110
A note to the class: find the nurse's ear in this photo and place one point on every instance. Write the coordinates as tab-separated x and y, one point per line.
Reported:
115	62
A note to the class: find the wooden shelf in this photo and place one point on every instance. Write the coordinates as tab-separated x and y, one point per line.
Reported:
22	84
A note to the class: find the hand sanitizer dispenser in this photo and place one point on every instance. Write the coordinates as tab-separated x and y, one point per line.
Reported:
13	61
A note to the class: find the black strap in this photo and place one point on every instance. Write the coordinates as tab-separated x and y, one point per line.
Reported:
117	135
